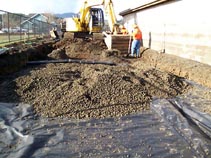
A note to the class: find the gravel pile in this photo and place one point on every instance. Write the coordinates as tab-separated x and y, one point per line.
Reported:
89	91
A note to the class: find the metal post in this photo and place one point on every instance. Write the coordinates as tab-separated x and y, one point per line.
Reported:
20	29
8	25
1	25
39	28
34	27
28	30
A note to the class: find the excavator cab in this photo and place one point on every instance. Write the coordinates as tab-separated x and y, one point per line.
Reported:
96	23
86	24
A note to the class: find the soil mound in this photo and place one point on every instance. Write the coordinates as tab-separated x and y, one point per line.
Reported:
89	91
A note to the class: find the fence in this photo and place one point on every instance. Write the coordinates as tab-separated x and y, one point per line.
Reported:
17	27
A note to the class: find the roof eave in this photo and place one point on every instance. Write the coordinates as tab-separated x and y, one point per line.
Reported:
142	7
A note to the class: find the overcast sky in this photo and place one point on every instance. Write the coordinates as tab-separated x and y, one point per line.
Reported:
55	6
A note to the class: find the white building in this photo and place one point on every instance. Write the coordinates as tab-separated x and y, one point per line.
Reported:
178	27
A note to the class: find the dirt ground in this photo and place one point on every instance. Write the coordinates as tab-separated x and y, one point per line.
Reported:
77	90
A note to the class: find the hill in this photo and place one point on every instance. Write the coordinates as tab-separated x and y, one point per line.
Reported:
65	15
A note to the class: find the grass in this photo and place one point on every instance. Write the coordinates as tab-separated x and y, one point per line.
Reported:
4	38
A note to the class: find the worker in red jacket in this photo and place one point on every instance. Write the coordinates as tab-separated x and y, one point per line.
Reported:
137	42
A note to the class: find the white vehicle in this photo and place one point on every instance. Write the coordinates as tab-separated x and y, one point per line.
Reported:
5	30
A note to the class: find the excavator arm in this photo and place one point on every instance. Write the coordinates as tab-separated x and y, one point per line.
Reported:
109	9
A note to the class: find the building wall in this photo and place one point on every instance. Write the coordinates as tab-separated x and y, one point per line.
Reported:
181	28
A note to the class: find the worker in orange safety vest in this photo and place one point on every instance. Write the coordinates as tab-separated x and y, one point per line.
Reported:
137	42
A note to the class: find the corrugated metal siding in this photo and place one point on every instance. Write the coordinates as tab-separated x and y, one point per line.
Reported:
181	28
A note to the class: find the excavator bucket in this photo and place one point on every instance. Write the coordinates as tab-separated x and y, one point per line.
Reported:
119	41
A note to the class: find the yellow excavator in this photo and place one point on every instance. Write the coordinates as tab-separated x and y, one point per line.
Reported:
91	21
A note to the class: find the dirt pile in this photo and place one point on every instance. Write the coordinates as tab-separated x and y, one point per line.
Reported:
89	91
83	49
80	48
192	70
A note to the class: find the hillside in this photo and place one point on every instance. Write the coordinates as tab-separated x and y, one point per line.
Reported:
65	15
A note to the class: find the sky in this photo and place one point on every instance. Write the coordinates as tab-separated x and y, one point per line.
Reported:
55	6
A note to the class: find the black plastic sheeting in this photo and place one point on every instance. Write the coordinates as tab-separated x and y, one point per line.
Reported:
169	129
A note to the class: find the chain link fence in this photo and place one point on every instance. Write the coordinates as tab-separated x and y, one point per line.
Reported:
17	27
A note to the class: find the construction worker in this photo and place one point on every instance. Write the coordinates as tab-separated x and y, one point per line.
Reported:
54	33
137	41
94	19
